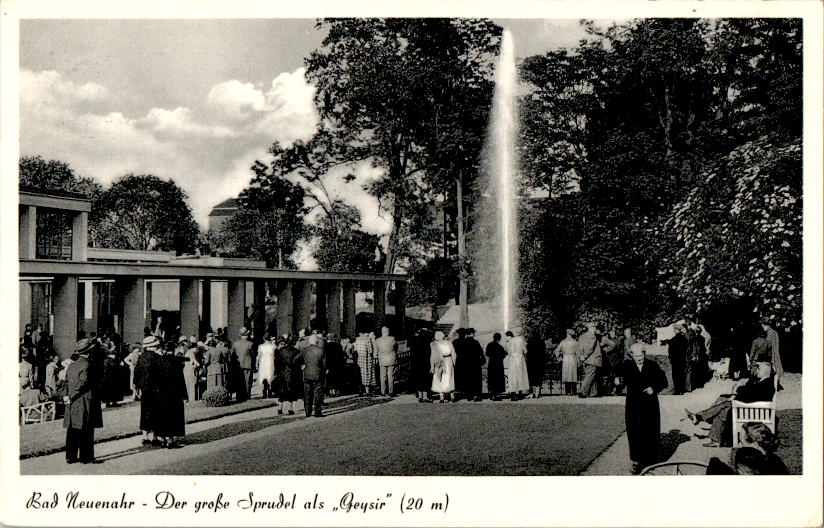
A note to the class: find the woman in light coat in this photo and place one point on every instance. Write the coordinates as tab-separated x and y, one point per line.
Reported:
517	378
442	359
567	351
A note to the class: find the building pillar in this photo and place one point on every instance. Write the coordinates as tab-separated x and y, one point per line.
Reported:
379	293
26	301
237	307
64	301
302	311
189	301
321	318
400	308
205	308
349	327
147	315
80	235
133	292
27	232
333	307
259	300
284	308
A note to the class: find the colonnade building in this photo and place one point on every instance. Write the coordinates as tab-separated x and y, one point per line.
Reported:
66	286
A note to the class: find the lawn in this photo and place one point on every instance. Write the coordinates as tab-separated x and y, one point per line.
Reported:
433	439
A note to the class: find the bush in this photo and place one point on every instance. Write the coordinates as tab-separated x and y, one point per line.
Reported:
216	397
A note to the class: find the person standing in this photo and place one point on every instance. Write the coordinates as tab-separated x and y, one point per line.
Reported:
191	370
535	363
677	351
495	381
628	340
590	354
698	361
287	381
266	366
52	369
335	364
459	344
214	363
111	386
131	362
170	388
244	355
366	362
313	366
145	379
442	361
517	378
774	350
568	352
644	379
473	360
419	354
387	359
612	357
83	412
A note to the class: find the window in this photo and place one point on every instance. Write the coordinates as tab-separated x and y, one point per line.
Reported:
54	234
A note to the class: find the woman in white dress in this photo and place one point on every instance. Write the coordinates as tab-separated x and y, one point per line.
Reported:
517	378
266	366
443	360
191	371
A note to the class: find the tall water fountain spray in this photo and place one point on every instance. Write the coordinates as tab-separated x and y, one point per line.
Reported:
503	176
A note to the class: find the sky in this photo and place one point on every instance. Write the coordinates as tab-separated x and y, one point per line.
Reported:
197	101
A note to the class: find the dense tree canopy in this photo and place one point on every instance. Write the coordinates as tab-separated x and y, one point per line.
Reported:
53	175
143	212
671	150
341	244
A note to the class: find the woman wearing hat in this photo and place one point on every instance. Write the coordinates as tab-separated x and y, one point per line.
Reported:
170	389
288	381
214	361
191	368
442	360
145	380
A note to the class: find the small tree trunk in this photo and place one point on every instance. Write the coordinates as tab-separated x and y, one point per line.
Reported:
463	294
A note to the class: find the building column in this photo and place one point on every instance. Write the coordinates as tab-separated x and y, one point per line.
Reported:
64	301
147	314
26	301
259	301
284	309
189	301
349	327
302	311
237	307
379	293
333	307
321	318
205	308
400	308
80	235
132	291
27	232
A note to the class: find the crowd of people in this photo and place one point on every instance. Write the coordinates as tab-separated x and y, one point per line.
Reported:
166	370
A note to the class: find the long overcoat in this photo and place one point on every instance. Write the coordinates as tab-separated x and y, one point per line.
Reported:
642	414
84	408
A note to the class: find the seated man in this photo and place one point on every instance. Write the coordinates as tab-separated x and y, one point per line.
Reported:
756	389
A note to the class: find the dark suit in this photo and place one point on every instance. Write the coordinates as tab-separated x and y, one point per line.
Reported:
83	413
314	370
242	352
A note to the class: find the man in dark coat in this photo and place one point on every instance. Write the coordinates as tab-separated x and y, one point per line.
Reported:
495	369
644	379
677	351
244	355
535	363
698	361
421	369
313	365
473	361
335	363
144	380
83	412
459	344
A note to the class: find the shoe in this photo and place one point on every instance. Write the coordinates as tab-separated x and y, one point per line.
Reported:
319	415
581	395
146	441
156	442
700	436
291	412
712	443
173	445
92	461
692	416
73	461
280	411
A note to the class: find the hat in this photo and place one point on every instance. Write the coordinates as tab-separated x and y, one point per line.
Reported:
84	346
182	339
150	342
210	335
244	331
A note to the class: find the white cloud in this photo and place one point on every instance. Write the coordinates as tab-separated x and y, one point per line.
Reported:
180	123
49	87
236	99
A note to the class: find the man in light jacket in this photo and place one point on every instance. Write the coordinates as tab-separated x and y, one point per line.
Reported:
590	354
387	359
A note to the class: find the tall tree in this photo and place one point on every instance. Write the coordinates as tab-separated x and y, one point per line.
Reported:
341	244
387	91
143	212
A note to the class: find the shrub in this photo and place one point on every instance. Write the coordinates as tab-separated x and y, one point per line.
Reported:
216	397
